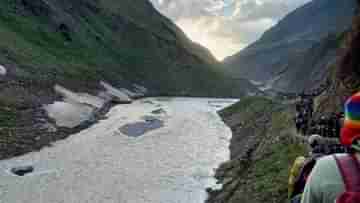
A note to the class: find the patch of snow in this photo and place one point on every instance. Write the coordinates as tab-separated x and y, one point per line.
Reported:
256	83
116	94
129	93
140	89
3	70
268	85
95	101
75	108
82	98
69	115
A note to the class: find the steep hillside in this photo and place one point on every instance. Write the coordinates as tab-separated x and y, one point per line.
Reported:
78	44
301	44
73	42
345	73
263	147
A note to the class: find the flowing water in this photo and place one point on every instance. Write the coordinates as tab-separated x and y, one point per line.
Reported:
169	163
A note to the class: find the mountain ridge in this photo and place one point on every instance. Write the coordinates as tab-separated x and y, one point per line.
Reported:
106	40
288	42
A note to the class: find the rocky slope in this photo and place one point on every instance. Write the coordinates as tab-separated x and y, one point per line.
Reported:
345	73
263	147
302	44
82	45
79	43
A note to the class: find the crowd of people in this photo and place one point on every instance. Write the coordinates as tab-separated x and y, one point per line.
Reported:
304	112
325	126
330	172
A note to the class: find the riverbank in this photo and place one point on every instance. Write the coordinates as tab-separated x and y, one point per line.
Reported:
30	122
34	130
263	147
173	163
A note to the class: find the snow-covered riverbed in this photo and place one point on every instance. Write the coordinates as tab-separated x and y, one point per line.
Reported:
170	164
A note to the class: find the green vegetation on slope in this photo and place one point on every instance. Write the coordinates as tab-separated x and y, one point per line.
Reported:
263	149
248	105
7	117
79	43
271	170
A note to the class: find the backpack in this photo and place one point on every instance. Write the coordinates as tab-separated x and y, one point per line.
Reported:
294	173
350	171
302	177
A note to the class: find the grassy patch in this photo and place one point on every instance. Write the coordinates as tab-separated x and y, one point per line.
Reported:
8	113
267	176
271	172
248	104
107	43
7	117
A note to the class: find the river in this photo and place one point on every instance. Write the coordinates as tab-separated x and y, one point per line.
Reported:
172	161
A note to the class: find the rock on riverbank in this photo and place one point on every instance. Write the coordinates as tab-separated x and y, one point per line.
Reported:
3	70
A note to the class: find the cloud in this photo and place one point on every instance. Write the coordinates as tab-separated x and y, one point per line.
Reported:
220	44
225	26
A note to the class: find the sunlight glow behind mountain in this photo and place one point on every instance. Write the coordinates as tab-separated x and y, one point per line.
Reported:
225	26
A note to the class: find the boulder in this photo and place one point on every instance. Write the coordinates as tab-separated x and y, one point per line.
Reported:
159	111
69	115
115	94
22	170
81	98
131	94
3	70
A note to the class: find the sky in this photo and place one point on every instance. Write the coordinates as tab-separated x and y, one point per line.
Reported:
225	26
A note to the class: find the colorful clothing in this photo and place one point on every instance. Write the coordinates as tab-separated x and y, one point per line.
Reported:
351	128
294	173
325	182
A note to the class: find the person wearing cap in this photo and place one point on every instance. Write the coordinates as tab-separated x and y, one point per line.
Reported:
317	146
325	183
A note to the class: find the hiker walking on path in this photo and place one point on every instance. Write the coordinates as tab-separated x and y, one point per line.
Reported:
302	167
304	112
336	178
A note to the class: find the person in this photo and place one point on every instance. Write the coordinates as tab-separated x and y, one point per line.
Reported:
294	173
322	125
313	128
311	107
317	146
336	125
298	107
302	167
327	181
339	123
298	124
303	126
